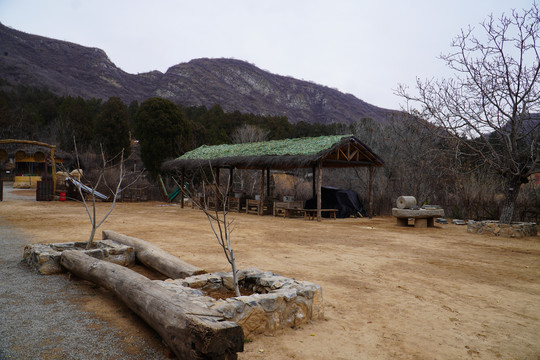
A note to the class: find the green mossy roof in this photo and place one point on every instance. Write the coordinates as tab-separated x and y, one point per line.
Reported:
292	147
277	154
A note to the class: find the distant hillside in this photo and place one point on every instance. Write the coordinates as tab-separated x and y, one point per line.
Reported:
70	69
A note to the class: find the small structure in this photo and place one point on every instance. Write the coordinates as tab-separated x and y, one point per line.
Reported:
339	151
407	209
275	302
30	165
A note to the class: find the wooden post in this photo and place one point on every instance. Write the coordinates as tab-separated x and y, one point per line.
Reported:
182	189
261	202
314	186
53	164
319	191
268	182
371	170
231	173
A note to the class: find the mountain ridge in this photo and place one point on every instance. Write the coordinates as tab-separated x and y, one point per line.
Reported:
67	68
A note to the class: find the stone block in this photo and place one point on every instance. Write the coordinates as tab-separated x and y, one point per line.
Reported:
45	258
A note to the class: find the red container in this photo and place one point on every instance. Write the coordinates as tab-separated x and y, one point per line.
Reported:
62	196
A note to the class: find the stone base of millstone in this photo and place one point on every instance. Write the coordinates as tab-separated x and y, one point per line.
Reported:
422	217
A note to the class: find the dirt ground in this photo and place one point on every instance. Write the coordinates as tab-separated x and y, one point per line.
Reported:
389	292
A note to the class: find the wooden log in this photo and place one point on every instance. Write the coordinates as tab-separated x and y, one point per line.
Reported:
155	257
191	331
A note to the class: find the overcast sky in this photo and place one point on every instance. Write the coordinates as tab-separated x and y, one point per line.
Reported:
365	48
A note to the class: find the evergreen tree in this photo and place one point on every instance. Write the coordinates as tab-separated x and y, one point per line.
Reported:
111	129
162	131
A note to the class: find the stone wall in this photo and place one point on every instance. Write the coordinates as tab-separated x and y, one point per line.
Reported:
45	258
491	227
278	302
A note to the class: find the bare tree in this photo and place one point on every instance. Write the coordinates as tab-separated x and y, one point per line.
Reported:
249	133
114	189
488	107
246	180
214	204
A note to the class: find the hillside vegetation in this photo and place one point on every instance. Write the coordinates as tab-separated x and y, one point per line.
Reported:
68	69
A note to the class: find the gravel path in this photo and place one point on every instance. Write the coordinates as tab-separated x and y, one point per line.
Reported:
38	322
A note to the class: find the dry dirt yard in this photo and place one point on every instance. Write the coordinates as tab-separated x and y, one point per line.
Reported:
389	292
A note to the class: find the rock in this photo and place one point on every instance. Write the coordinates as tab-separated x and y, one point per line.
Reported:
45	258
441	220
459	222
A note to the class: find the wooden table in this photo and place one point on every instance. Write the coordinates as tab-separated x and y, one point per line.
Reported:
311	214
288	208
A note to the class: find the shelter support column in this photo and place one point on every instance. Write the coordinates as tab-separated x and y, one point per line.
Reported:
53	164
262	193
314	177
268	182
319	191
370	210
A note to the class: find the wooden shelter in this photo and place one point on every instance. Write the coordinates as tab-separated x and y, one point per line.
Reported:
339	151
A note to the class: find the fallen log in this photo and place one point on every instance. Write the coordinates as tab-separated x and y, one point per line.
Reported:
155	257
190	331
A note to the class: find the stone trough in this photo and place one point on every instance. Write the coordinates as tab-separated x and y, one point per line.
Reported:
193	322
45	258
276	302
492	227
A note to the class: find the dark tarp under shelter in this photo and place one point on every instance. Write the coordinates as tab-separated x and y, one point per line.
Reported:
347	202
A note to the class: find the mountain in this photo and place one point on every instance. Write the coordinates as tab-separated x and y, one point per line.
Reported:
69	69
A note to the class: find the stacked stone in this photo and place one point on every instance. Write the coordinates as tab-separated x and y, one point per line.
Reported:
45	258
491	227
278	302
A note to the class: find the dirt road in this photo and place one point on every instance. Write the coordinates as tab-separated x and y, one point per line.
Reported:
389	292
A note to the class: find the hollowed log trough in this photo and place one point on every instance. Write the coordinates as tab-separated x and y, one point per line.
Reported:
154	257
190	331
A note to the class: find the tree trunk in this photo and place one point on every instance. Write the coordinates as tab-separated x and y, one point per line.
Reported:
191	331
155	257
512	191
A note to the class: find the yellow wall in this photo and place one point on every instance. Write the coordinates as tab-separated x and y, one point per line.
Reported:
25	182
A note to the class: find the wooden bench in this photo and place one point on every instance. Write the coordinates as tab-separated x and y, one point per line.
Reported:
311	214
235	203
258	207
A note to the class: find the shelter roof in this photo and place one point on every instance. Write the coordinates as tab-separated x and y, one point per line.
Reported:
333	151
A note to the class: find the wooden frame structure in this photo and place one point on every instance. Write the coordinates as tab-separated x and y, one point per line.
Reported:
340	151
37	143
